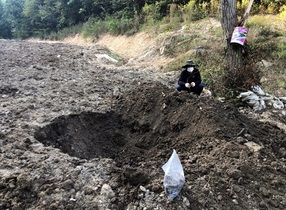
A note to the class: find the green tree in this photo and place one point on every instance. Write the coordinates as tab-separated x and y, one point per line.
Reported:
163	6
13	15
45	16
33	19
5	29
96	8
70	13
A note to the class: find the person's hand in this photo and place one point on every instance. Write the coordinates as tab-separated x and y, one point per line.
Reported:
188	85
193	84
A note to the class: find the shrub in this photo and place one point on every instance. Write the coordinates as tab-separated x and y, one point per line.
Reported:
151	14
235	80
193	11
280	52
93	28
69	31
120	26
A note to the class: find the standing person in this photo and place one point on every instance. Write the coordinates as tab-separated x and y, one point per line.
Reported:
190	79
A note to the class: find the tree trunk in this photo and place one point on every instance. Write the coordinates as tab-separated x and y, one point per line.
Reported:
240	71
228	19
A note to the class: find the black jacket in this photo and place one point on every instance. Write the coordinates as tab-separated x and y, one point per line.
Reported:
187	77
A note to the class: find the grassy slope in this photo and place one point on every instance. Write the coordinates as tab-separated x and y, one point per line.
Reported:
203	42
267	35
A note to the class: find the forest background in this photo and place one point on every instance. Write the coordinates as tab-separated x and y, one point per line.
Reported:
57	19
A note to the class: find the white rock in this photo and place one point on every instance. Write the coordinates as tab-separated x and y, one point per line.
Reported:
278	104
107	191
106	58
235	201
142	188
253	146
72	199
266	63
186	202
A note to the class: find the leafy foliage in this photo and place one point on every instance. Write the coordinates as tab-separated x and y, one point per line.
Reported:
5	29
12	16
27	18
93	28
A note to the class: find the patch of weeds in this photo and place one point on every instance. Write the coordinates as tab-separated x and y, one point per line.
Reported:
93	28
179	62
280	52
218	32
211	69
65	32
274	84
266	31
117	57
178	44
274	79
265	48
166	28
259	21
281	83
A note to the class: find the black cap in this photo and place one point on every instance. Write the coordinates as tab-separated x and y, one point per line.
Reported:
189	63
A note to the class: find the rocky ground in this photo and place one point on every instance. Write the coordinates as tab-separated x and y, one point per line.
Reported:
81	132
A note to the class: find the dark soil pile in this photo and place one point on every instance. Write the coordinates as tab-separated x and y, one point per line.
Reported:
71	140
211	138
147	123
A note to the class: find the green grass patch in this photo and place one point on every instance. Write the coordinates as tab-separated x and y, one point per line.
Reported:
281	83
280	51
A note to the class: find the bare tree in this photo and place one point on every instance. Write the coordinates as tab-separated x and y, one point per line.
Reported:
236	69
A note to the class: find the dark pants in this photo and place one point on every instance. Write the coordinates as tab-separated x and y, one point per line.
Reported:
196	90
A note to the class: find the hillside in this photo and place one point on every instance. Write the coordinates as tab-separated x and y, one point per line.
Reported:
203	41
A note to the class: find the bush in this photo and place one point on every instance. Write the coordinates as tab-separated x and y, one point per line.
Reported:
69	31
112	25
93	28
120	26
193	11
280	52
237	80
151	14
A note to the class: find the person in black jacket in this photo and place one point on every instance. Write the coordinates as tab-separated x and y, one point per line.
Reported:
190	79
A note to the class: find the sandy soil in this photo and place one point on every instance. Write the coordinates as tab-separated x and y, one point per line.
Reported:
79	132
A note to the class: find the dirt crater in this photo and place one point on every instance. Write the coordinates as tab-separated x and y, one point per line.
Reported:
86	135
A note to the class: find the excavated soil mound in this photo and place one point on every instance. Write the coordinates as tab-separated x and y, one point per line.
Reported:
226	156
78	132
217	146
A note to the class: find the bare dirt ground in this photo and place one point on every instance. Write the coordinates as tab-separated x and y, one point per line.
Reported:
79	132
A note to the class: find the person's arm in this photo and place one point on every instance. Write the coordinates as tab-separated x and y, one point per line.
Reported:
198	78
182	79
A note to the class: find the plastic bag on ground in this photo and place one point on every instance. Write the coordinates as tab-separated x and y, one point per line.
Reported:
248	96
174	178
259	105
258	99
277	104
258	90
